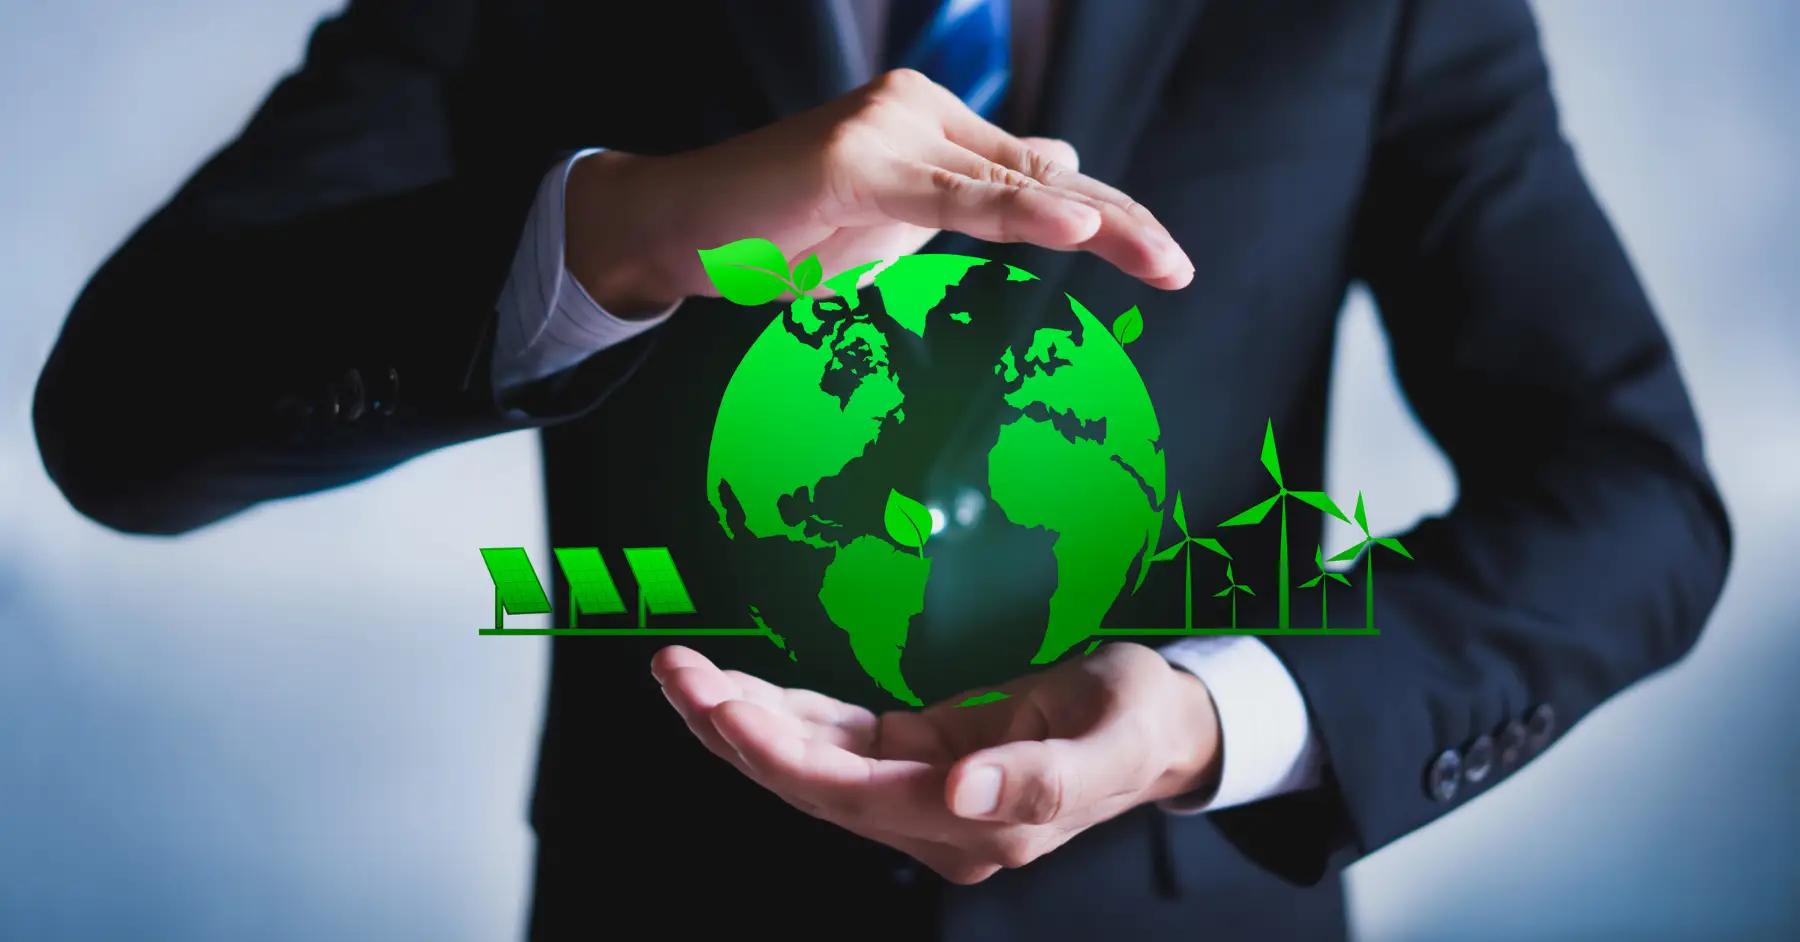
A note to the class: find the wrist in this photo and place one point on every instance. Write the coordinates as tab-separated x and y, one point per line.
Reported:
1196	755
610	235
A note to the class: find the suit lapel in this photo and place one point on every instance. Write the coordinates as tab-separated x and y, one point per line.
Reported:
802	53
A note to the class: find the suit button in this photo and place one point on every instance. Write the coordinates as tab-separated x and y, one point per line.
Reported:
1442	778
1478	759
1540	727
351	394
1512	744
384	390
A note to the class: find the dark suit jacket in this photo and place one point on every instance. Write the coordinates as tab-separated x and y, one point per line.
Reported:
316	305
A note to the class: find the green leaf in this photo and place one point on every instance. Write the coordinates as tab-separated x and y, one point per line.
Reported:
1254	515
845	283
1394	545
988	697
1312	582
1351	552
1362	519
1338	576
750	272
908	522
1320	500
1212	544
1090	648
1129	326
1167	554
1180	515
1269	459
807	273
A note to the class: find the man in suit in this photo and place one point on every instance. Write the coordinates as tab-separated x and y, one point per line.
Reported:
414	244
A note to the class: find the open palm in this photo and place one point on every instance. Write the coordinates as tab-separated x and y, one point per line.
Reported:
1069	747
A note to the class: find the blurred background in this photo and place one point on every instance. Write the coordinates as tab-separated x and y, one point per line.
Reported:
285	727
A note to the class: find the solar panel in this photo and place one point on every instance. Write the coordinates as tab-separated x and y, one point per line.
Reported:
659	586
516	587
591	587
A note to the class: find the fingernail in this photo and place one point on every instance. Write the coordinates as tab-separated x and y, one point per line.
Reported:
979	793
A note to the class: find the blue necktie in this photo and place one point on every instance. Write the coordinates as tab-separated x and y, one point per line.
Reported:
963	45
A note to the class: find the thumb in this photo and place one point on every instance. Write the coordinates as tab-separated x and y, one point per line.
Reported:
1040	781
1060	151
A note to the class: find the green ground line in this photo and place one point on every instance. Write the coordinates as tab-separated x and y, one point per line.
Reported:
753	632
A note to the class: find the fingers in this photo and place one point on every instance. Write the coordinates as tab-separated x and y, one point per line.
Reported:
926	194
1130	236
1039	782
695	687
1026	197
903	796
1058	151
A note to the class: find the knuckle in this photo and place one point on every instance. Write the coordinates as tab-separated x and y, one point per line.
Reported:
1041	798
1040	166
902	82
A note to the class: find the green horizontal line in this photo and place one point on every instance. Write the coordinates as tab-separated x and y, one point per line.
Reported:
755	632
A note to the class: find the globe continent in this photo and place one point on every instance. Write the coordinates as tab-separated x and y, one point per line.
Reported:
1076	453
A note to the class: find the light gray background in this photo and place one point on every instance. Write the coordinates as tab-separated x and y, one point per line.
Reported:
285	728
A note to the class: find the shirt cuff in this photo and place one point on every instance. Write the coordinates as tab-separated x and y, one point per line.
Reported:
1267	746
547	321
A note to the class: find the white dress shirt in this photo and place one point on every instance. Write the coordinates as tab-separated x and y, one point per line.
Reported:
548	324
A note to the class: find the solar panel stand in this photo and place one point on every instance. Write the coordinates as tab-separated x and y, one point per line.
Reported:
643	616
499	609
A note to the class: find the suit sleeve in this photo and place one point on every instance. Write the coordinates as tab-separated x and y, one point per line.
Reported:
1587	545
317	303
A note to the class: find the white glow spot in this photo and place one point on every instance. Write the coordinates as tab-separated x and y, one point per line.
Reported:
937	519
969	504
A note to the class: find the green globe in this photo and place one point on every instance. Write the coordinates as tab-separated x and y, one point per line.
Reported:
814	446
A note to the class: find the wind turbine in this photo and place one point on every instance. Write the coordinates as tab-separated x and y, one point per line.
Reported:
1255	515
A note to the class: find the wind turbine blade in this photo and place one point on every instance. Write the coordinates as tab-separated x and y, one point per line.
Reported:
1312	582
1254	515
1350	553
1269	459
1223	592
1211	544
1362	520
1394	545
1339	577
1320	500
1180	515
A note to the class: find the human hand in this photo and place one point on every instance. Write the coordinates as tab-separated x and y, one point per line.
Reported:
870	176
965	790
